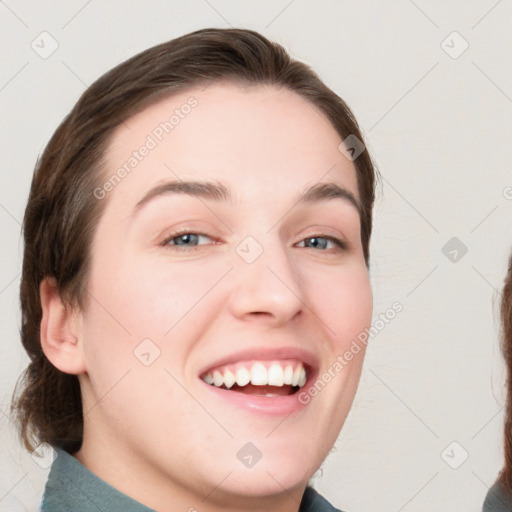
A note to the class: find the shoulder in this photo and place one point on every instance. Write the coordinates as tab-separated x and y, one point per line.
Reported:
71	486
312	501
497	500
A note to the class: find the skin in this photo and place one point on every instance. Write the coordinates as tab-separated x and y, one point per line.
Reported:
151	431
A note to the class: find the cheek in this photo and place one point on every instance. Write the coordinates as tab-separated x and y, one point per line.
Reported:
343	301
143	309
145	300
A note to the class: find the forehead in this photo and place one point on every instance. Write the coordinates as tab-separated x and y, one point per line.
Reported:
254	139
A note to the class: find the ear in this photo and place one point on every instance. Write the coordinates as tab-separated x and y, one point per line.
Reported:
59	339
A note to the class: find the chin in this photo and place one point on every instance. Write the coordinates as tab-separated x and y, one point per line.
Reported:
283	467
267	481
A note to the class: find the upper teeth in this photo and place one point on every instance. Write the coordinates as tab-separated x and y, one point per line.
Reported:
257	374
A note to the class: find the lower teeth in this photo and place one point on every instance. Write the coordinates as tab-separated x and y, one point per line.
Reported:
255	392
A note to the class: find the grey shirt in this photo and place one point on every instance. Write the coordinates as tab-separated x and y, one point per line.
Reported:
72	487
497	500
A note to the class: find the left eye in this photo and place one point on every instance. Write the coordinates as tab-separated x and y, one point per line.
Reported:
322	242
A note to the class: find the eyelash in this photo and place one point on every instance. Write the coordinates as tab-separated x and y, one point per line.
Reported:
341	245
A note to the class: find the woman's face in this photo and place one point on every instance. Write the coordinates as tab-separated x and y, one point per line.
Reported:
190	282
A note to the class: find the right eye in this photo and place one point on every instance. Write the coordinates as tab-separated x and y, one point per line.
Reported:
183	239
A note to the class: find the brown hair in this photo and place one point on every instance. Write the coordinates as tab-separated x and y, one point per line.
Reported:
62	211
505	476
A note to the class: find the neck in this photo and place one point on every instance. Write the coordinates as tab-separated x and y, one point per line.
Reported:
162	491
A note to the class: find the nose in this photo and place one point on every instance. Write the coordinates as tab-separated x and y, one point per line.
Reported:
267	289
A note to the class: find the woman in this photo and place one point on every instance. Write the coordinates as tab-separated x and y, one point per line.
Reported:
499	497
196	258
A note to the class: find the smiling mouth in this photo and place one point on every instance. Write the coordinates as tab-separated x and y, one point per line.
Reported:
260	378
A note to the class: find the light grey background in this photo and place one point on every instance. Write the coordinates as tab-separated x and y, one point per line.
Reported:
439	126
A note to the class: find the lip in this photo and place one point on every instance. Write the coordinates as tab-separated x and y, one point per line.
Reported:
273	406
266	354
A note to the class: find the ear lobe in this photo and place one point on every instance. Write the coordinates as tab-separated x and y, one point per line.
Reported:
59	342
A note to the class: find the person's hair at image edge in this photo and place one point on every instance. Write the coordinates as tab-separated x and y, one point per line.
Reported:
62	212
505	476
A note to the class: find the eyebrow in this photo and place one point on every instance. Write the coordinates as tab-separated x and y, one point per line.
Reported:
219	192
